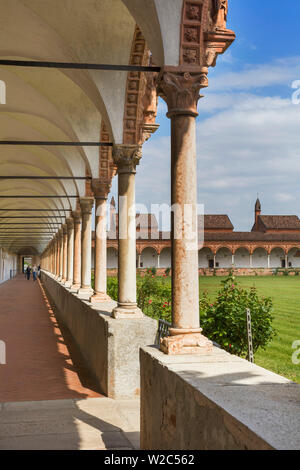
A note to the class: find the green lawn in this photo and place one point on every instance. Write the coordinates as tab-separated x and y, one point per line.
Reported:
285	292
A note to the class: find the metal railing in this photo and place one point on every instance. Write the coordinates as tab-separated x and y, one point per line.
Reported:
163	330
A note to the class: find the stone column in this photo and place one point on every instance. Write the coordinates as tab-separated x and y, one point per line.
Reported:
158	260
139	260
181	93
126	157
100	190
215	257
233	260
65	253
286	261
60	241
269	260
77	252
251	260
70	232
57	268
86	204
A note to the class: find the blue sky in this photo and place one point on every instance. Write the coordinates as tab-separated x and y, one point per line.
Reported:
248	129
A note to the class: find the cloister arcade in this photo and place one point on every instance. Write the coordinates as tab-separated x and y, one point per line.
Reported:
82	80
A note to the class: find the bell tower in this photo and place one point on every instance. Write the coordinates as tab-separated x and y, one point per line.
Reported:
257	213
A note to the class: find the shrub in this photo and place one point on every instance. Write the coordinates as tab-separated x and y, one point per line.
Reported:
154	296
224	321
112	287
167	271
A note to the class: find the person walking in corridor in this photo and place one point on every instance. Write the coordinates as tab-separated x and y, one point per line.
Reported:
34	272
28	271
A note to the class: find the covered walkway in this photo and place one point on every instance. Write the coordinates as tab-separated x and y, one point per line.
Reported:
42	362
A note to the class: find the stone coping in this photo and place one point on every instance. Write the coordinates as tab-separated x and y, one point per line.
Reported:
263	402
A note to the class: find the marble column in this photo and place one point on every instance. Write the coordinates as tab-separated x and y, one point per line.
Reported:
86	204
57	268
269	260
100	190
126	157
286	261
77	252
60	235
251	260
181	92
65	253
233	260
70	233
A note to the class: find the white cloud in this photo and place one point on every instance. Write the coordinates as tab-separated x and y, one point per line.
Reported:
279	72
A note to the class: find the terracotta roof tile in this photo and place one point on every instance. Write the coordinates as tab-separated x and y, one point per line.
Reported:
280	222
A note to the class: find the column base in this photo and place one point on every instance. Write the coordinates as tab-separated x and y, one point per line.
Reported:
127	311
75	288
85	293
68	284
100	297
184	341
63	281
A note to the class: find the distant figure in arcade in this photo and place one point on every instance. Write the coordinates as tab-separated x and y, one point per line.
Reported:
28	271
39	271
34	272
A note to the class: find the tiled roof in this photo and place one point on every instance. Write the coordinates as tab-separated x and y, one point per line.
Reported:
280	222
217	222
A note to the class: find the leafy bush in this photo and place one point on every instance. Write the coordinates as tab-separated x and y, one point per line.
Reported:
167	271
154	296
224	321
112	287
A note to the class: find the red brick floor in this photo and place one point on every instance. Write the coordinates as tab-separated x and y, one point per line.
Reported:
42	362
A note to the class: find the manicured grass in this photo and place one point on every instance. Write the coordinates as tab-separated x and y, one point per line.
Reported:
285	293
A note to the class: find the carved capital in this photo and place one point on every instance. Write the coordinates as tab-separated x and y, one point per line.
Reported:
127	157
70	223
86	205
76	217
100	188
180	90
64	228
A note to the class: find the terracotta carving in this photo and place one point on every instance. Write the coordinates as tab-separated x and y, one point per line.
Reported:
220	13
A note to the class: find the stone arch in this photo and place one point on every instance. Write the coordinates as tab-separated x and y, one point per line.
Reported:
224	257
242	257
260	258
205	258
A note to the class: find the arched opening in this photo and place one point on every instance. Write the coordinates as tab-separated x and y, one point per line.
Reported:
294	258
112	258
260	258
205	258
277	258
224	258
149	258
242	258
165	258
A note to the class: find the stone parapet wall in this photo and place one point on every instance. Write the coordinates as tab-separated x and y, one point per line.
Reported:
109	346
215	402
